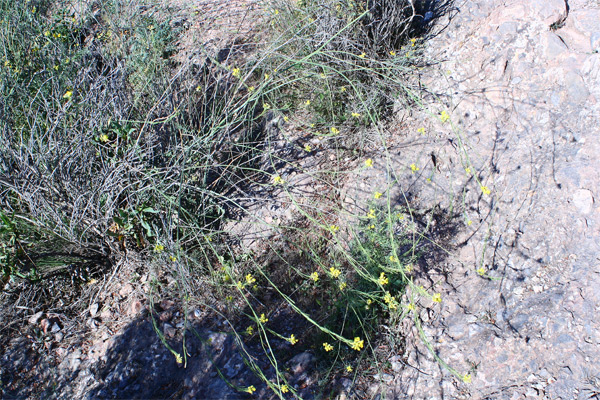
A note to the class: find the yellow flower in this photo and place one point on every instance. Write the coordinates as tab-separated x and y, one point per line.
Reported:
468	171
393	259
334	130
413	41
444	117
392	53
103	138
277	180
362	55
322	75
421	130
239	285
284	389
481	271
355	115
469	222
276	12
47	33
437	298
236	72
266	106
371	214
314	276
178	358
307	103
411	307
390	301
68	94
173	258
467	378
249	330
307	148
343	89
159	247
251	389
371	227
378	195
358	344
267	76
292	339
327	346
250	279
414	168
349	368
335	272
408	269
342	285
251	89
369	162
383	280
263	319
334	228
485	190
229	298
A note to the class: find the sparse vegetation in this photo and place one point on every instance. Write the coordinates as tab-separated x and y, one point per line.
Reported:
109	146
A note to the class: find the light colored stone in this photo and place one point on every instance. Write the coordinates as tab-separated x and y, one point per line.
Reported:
583	201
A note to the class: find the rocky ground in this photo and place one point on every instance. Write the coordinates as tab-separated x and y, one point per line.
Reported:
521	80
521	278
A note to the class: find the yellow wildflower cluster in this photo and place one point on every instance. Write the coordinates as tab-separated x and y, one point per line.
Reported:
437	298
357	344
378	195
383	280
414	168
250	279
390	301
371	214
335	272
314	276
263	319
369	162
251	389
444	117
327	347
292	339
278	180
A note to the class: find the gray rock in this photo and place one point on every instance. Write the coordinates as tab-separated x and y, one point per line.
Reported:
576	88
583	201
595	41
35	318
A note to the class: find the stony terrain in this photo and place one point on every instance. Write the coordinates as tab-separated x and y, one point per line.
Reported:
524	96
521	278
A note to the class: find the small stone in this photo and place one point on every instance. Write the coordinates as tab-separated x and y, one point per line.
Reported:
583	201
169	330
59	336
45	325
301	362
35	318
94	309
135	308
126	290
